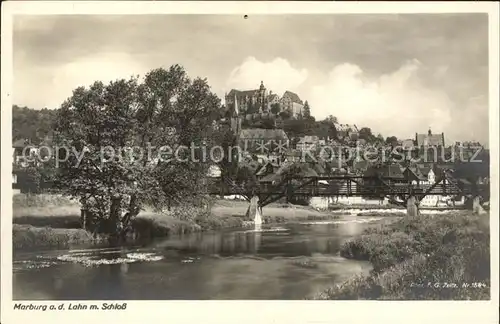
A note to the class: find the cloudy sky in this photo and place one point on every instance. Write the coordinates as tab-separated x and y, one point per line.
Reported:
398	74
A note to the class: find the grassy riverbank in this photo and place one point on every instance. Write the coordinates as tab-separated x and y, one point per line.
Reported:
411	258
50	220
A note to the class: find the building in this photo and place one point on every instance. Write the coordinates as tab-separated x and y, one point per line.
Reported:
23	152
429	139
292	156
429	178
248	101
257	104
291	102
424	177
214	171
408	144
347	131
296	109
261	140
307	143
272	99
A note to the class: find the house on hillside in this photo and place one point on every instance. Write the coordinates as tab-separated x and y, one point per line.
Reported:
292	103
23	152
307	143
347	131
261	140
408	144
272	99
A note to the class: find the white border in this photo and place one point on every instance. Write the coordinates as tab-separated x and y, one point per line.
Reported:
250	311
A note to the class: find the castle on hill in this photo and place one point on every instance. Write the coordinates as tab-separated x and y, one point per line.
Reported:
262	101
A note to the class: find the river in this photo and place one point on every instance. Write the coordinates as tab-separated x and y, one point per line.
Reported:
286	261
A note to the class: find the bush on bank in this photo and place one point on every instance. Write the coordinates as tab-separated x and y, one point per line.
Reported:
421	259
27	236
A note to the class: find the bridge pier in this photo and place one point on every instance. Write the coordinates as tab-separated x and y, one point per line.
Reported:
412	207
476	206
254	211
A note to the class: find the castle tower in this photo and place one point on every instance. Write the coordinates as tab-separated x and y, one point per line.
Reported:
262	96
236	109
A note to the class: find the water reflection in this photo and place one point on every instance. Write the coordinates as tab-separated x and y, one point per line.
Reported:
264	262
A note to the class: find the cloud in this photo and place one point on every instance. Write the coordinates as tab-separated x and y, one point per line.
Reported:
85	71
397	103
278	75
65	78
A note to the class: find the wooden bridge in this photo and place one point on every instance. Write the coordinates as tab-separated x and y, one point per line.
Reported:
377	187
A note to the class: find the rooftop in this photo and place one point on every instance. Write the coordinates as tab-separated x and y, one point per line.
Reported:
242	93
430	139
20	143
391	171
293	96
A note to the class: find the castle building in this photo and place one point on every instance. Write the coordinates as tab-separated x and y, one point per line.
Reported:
292	102
260	101
248	101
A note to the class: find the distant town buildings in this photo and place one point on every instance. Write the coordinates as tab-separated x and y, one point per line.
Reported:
23	152
257	139
307	143
347	131
408	144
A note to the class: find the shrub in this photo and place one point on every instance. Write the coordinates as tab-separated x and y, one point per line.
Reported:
27	236
410	256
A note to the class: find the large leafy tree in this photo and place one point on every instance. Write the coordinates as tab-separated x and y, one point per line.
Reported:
143	142
391	140
275	108
365	133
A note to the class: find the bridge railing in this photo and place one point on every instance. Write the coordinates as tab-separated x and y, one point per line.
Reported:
344	186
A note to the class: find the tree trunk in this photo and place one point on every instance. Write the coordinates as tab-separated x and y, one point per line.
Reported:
83	218
132	212
87	219
114	225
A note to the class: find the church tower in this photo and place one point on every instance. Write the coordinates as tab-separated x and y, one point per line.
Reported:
235	118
